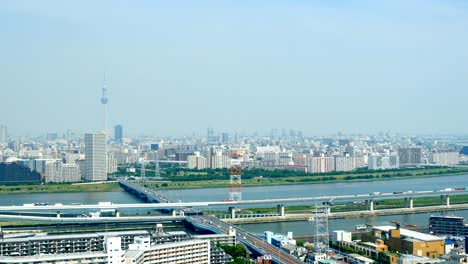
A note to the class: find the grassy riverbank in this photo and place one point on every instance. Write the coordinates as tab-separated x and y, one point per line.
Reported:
306	179
60	188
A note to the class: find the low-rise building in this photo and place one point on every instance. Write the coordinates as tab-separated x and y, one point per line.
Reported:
408	241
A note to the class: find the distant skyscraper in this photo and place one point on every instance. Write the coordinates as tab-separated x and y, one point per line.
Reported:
154	146
118	133
95	157
210	136
51	136
3	134
225	138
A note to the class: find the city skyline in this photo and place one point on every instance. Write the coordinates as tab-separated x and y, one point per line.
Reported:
175	69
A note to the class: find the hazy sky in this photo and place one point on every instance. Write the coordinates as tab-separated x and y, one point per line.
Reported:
177	67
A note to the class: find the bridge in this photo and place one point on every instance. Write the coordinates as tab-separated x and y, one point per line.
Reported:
212	224
254	243
94	220
157	201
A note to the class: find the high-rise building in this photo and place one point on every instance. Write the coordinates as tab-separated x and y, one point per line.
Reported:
345	163
444	158
51	136
3	134
95	157
225	138
210	136
118	133
196	161
70	173
321	164
410	156
383	161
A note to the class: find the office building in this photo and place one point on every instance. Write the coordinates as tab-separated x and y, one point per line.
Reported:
448	225
118	134
95	157
410	156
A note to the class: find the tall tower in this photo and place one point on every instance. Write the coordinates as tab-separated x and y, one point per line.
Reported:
235	181
104	101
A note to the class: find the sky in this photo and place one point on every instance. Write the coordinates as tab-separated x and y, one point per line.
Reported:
179	67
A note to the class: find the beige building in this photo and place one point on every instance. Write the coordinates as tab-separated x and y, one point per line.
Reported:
191	251
408	242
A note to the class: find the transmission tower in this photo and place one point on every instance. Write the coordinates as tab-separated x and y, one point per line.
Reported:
157	173
143	171
235	189
321	228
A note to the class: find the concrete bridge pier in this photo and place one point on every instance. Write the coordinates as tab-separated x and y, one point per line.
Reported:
371	205
232	212
411	202
117	213
58	214
280	210
448	200
173	212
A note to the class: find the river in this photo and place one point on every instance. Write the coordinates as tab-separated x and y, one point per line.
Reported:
268	192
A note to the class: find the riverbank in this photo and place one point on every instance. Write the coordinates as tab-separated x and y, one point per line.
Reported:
300	180
61	188
259	181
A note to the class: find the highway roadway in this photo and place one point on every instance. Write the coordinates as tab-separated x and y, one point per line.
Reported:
278	256
101	219
181	205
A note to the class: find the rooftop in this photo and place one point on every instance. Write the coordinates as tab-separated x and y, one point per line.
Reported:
410	234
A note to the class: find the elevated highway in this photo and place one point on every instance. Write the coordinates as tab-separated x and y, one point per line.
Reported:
94	220
158	201
254	243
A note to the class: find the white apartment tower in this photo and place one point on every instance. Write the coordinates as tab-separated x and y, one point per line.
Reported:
95	157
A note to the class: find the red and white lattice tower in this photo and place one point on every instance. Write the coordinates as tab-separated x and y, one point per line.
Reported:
235	188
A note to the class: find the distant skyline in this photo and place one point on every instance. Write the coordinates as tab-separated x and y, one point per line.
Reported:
179	67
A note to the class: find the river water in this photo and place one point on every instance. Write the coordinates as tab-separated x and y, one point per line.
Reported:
269	192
